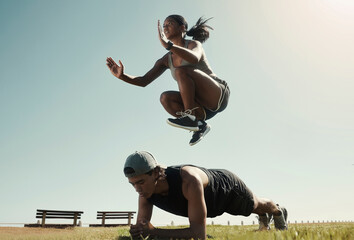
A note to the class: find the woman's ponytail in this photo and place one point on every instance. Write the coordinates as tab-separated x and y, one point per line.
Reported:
200	30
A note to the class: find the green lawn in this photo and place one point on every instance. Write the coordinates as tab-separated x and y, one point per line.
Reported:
320	231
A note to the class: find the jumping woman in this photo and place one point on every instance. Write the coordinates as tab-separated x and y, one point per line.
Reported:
201	93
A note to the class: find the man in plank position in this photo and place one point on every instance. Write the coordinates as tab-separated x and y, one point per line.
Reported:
193	192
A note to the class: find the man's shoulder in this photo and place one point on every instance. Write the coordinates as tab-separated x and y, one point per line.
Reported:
192	173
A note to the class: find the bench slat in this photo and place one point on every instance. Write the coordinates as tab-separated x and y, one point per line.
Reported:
58	211
115	217
59	214
59	217
114	212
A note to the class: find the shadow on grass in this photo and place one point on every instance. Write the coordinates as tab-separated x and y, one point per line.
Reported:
128	238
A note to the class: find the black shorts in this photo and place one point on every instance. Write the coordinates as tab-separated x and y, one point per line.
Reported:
242	199
223	101
226	192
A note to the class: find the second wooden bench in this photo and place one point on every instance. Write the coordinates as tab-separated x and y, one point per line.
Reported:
104	215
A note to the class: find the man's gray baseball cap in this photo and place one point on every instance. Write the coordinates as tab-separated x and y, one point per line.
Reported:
138	163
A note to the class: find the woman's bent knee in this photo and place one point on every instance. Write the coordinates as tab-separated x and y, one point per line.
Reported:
164	97
169	96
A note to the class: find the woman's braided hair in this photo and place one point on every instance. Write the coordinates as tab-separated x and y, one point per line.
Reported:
198	32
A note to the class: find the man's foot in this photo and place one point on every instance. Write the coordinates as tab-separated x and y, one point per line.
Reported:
186	121
280	222
198	135
264	222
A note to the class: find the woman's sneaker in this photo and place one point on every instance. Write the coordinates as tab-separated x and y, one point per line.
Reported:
280	222
204	128
186	121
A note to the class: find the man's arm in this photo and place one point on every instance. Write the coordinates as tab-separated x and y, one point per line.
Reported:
143	219
193	182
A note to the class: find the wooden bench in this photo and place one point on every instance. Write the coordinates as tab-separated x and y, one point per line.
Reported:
104	215
56	214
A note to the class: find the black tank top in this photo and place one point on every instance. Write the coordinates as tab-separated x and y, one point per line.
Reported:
222	188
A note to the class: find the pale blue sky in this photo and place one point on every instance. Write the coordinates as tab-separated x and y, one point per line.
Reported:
67	124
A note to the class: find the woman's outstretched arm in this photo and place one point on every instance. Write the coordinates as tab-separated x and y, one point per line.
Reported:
118	71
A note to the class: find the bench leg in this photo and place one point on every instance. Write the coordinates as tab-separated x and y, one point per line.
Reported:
129	218
103	219
75	220
43	218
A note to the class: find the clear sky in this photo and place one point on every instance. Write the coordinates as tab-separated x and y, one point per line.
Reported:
67	125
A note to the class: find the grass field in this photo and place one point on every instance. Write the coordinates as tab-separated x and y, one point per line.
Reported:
320	231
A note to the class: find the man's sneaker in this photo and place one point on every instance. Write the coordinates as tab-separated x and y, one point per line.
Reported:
280	222
186	121
198	135
264	222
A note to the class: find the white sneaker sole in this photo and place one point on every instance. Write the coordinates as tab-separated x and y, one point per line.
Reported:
183	127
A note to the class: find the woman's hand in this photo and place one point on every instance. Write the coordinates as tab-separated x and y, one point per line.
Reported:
115	69
162	36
